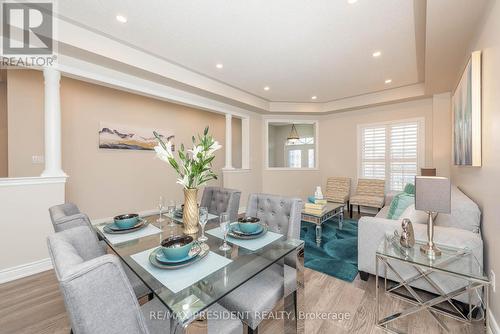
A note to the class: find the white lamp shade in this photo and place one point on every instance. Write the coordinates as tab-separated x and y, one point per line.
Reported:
433	194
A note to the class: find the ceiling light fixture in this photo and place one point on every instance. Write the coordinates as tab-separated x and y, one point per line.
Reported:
267	88
388	81
293	135
376	54
121	18
350	2
314	97
219	65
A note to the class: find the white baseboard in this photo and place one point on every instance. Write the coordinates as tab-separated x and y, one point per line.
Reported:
492	326
28	269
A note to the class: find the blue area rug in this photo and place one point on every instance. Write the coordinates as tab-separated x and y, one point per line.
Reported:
338	254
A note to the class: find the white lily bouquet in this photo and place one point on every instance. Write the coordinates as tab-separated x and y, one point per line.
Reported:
194	169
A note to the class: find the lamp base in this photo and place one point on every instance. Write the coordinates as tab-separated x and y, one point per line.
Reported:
430	250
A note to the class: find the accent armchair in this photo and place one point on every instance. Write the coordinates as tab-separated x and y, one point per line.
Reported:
218	200
338	190
369	192
98	296
261	293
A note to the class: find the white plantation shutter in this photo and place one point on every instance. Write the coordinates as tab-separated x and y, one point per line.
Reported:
403	154
391	152
373	152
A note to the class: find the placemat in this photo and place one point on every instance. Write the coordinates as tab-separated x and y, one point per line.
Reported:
251	244
179	279
121	238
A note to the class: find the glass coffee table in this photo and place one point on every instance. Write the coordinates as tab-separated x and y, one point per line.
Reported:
457	264
331	210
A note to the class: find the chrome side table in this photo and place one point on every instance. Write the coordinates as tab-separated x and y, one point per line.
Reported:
455	264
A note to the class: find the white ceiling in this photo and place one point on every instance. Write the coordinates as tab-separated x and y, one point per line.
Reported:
299	48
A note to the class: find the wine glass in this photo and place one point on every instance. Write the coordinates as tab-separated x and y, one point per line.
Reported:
224	226
203	221
161	206
171	210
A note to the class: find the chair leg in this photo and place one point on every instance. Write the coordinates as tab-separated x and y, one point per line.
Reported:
350	211
359	210
253	331
364	276
348	206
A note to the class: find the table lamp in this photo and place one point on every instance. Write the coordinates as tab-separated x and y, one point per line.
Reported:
433	195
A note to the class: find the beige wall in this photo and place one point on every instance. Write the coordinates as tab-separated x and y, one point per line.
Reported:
236	142
338	146
25	120
103	182
3	130
481	184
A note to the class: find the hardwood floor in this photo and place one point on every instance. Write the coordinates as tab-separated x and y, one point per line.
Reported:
34	305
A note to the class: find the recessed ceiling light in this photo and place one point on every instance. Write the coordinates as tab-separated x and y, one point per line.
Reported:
388	81
350	2
314	97
219	65
121	18
376	54
267	88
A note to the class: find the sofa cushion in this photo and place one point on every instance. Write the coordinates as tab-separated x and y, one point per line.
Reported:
409	189
398	205
465	214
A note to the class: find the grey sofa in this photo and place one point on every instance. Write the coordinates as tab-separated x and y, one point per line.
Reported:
67	216
218	200
460	228
262	293
98	295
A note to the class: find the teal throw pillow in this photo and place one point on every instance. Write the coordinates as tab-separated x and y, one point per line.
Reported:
399	204
409	189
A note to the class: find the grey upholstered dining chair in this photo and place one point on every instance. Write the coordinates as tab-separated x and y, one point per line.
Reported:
263	292
98	295
218	200
67	216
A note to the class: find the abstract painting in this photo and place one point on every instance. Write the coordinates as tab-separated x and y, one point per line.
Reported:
114	136
467	115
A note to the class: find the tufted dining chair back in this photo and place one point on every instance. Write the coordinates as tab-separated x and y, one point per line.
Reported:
218	200
281	214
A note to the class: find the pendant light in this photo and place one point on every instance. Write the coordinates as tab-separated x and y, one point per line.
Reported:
293	135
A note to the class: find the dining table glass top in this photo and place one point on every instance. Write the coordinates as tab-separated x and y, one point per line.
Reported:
185	305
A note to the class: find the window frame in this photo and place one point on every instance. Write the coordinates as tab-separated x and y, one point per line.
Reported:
387	124
291	121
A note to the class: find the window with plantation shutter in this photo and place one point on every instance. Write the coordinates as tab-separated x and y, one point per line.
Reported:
391	151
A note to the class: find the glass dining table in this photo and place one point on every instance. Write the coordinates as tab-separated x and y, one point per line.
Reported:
188	304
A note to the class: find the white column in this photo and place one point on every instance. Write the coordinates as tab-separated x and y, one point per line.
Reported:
245	143
52	131
229	142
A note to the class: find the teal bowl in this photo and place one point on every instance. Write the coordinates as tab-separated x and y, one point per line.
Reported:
177	247
248	224
126	221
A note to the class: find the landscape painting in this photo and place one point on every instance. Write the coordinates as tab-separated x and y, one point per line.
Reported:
467	115
122	137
